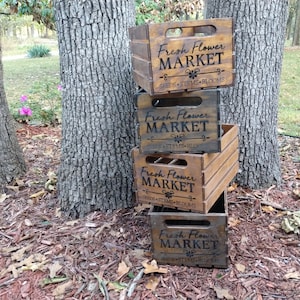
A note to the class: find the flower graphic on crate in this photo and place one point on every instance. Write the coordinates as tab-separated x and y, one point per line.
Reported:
178	138
192	73
189	253
168	194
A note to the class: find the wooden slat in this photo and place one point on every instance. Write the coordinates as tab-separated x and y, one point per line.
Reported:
211	199
222	178
230	133
213	168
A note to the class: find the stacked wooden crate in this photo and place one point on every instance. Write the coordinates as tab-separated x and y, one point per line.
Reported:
185	158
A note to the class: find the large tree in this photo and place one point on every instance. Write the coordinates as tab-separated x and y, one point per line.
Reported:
12	163
98	127
252	102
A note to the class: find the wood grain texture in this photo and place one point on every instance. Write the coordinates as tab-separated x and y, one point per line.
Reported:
179	123
191	182
184	56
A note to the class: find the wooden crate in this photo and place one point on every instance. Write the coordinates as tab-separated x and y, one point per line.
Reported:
179	123
191	239
186	181
183	56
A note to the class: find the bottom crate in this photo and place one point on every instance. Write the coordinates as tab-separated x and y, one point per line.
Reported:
190	239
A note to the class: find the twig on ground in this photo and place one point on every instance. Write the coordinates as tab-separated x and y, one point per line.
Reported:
134	283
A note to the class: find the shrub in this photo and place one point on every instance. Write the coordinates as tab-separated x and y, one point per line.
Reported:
38	51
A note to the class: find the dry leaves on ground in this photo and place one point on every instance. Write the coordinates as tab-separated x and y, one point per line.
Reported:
108	255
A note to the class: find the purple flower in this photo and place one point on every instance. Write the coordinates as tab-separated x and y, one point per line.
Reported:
25	111
59	87
23	98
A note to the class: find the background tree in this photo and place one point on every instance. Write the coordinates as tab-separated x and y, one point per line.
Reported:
296	35
98	125
12	163
252	103
40	10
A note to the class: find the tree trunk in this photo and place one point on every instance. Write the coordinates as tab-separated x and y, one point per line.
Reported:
98	127
252	102
12	163
296	36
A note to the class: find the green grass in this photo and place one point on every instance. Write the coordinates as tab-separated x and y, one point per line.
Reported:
13	46
289	98
38	79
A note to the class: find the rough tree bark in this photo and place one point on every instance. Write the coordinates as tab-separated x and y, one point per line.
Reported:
252	102
12	163
98	127
296	36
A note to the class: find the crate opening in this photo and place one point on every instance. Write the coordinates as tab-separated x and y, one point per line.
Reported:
205	30
166	161
188	223
174	32
177	101
218	207
199	31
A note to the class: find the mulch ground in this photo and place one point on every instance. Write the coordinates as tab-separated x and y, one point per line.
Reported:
44	255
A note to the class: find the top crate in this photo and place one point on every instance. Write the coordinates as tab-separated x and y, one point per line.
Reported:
183	56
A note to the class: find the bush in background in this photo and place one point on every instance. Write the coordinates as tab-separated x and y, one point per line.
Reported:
38	51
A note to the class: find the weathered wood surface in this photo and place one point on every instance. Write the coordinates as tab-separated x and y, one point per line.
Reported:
179	123
183	56
191	182
192	239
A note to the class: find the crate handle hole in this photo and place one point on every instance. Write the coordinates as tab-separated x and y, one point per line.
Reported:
174	32
165	161
199	31
205	30
188	223
177	101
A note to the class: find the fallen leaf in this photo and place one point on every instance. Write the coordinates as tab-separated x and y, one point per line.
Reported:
54	268
90	225
19	182
122	269
240	267
58	212
46	281
232	187
38	194
72	222
153	268
28	222
3	197
60	290
18	255
232	222
223	293
13	187
244	240
292	275
139	208
152	283
296	192
268	209
117	286
292	222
